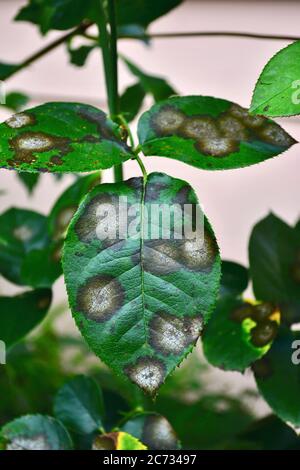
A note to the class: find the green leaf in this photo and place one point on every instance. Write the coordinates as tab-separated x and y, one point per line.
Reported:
234	278
277	90
274	255
153	430
143	12
29	180
117	441
79	56
278	378
155	86
20	314
16	100
67	204
140	303
228	338
61	137
210	133
131	101
79	406
7	69
41	268
36	432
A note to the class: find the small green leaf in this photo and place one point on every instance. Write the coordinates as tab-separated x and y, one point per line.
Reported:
6	70
143	12
277	90
29	180
79	56
61	137
20	314
36	432
41	268
228	338
67	204
117	441
16	100
153	430
278	378
210	133
274	255
140	302
234	278
79	405
155	86
131	101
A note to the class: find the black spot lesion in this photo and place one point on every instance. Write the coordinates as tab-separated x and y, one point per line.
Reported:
147	372
158	434
100	298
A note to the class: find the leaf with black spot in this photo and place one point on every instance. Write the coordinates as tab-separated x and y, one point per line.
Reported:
210	133
140	301
61	137
20	314
119	440
36	432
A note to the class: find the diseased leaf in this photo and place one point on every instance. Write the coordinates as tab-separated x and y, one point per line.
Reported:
278	378
274	255
233	338
79	406
277	91
156	86
210	133
36	432
140	301
67	204
29	180
27	255
117	441
131	101
234	279
20	314
153	430
61	137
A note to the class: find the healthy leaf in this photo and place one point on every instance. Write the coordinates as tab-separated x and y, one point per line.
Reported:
278	378
153	430
234	279
6	70
143	12
131	101
15	100
140	302
228	340
61	137
155	86
276	92
27	255
36	432
20	314
210	133
67	204
274	255
79	406
29	180
79	56
117	441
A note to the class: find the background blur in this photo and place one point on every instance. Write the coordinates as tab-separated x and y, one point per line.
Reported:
218	66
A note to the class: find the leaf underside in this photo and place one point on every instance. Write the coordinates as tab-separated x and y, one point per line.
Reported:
210	133
60	137
140	303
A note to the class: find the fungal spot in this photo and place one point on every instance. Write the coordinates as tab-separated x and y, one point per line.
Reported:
239	314
100	298
263	333
274	135
23	233
199	253
262	368
106	442
171	335
168	120
232	128
135	183
198	128
37	442
158	433
20	120
63	219
160	257
34	142
263	311
148	373
238	111
56	160
219	147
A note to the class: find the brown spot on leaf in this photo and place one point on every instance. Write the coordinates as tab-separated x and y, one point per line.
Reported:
106	441
199	128
263	311
219	147
199	253
240	313
263	333
147	372
158	433
167	120
19	120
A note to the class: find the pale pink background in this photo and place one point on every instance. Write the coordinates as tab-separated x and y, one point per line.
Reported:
221	67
